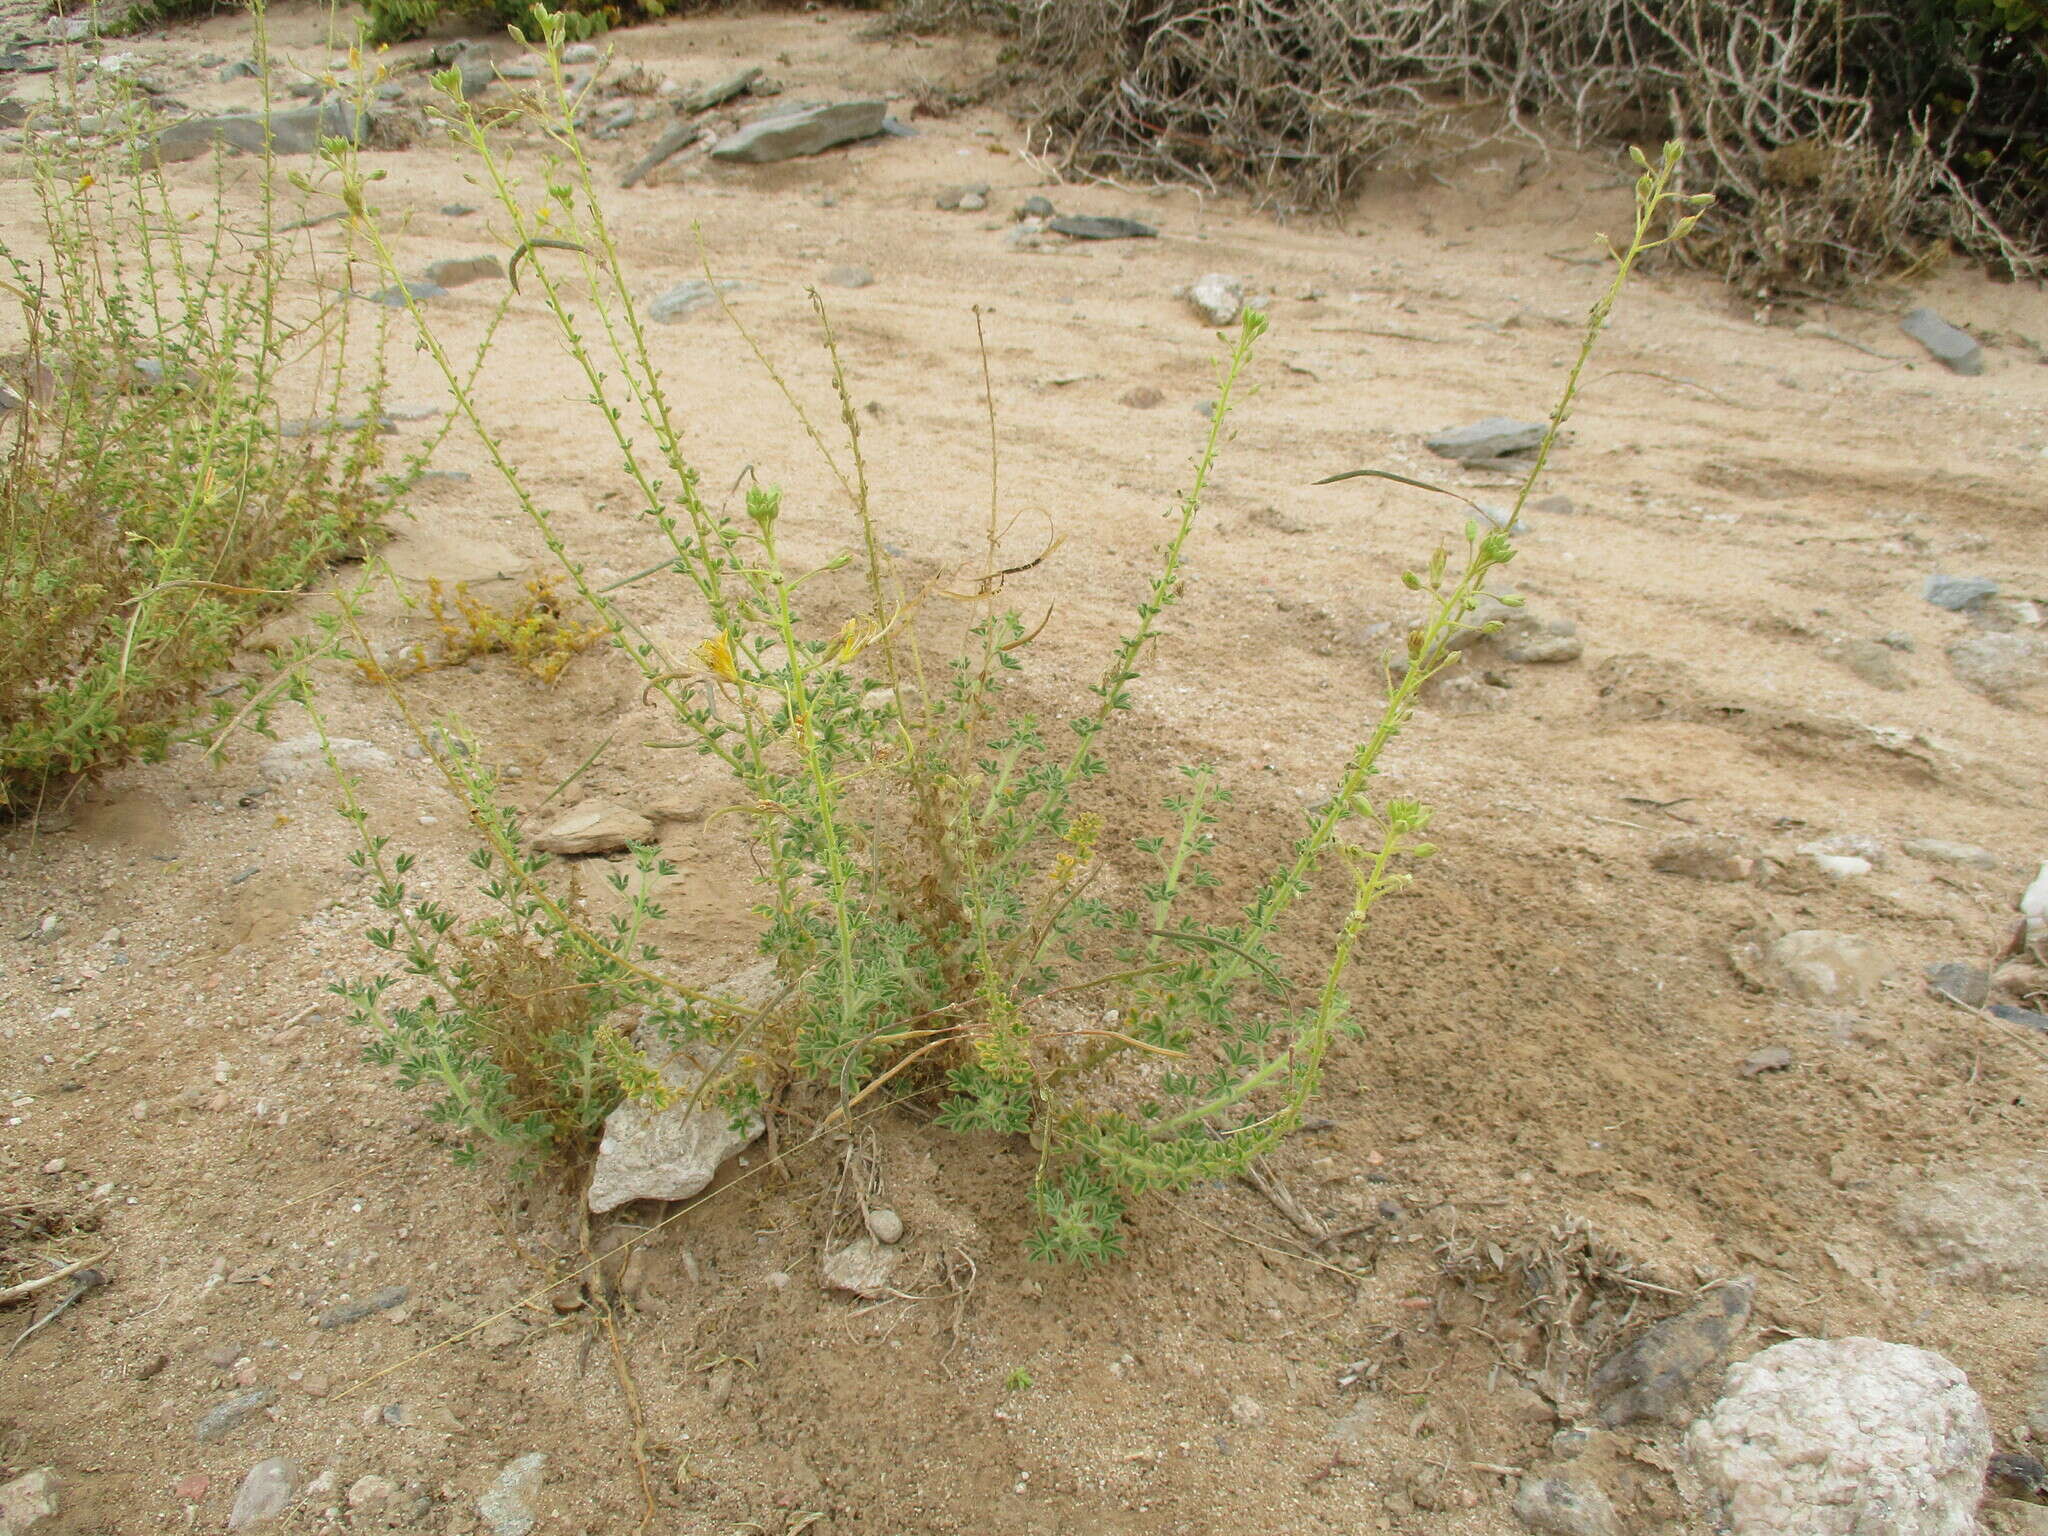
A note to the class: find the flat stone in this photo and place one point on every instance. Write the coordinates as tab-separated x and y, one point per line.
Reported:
343	1313
507	1508
302	757
2016	1015
1870	660
29	1500
1954	348
1968	984
862	1267
1530	638
223	1419
1493	438
650	1153
297	131
689	296
1706	856
1565	1506
1217	297
806	131
1844	1437
1826	967
1654	1378
397	296
2000	663
266	1493
455	271
1934	850
595	826
1771	1058
850	277
1985	1226
1955	593
1086	226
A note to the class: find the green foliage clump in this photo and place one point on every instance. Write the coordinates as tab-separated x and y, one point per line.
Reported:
153	505
517	1032
952	918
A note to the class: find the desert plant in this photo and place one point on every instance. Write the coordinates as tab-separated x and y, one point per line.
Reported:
155	501
1844	142
519	1033
932	886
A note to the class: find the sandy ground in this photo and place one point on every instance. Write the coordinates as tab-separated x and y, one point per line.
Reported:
1553	1029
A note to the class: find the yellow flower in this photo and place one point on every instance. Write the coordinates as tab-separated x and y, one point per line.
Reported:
716	654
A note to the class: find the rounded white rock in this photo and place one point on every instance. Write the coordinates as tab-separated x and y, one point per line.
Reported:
1837	1437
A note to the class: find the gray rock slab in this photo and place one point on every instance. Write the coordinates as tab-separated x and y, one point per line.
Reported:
687	297
1956	593
294	132
1953	347
395	297
807	131
223	1419
1492	438
1086	226
1935	850
342	1313
1968	984
266	1493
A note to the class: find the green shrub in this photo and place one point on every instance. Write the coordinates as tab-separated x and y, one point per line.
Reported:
934	886
154	505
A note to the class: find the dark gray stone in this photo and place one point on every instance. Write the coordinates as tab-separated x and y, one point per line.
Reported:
1564	1506
1492	438
241	69
2012	1014
341	1314
1956	349
294	132
806	131
1035	208
718	93
1654	1378
223	1419
1958	979
1955	593
1086	226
